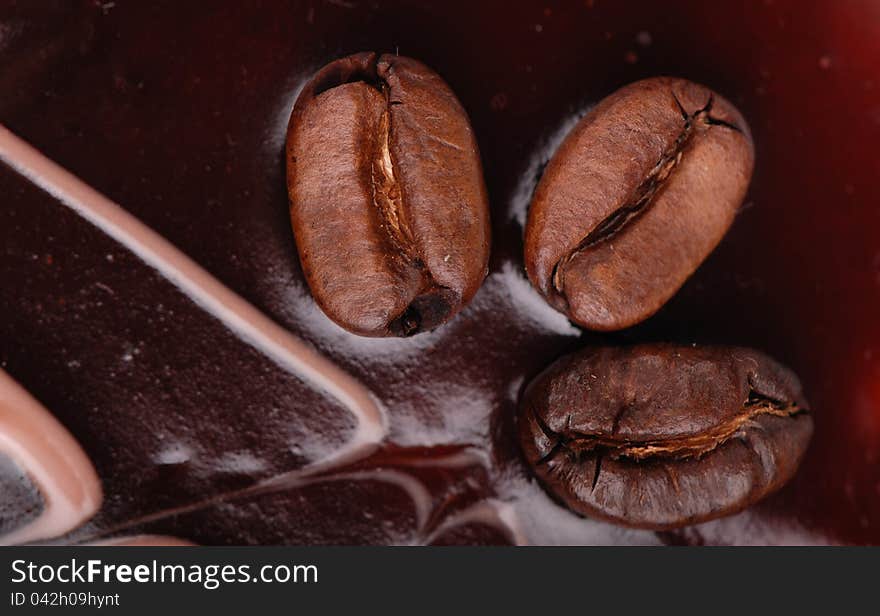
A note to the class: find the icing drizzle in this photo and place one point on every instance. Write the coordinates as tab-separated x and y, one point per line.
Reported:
241	317
64	473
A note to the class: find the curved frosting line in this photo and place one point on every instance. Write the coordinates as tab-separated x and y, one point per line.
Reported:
418	493
490	512
52	459
415	489
249	323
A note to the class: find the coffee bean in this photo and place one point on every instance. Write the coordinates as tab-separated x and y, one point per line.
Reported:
660	436
637	196
387	199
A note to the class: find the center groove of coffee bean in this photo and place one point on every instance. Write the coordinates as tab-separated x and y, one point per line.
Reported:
577	444
428	307
387	196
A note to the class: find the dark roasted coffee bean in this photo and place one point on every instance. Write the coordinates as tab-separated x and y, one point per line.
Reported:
660	436
387	199
637	196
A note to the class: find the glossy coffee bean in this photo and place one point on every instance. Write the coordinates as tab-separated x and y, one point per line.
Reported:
637	196
387	198
661	436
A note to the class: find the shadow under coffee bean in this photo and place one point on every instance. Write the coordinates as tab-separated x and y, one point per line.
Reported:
662	436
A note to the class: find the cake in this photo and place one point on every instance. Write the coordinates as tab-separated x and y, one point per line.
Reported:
156	323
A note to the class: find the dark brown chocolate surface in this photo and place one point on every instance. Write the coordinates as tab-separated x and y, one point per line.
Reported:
177	111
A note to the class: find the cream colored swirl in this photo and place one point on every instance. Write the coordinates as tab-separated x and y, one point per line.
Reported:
245	320
490	512
52	460
75	504
430	520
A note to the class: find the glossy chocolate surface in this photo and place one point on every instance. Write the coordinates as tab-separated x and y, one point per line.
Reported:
177	112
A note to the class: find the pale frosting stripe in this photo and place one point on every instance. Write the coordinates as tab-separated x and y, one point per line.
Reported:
63	472
490	512
249	323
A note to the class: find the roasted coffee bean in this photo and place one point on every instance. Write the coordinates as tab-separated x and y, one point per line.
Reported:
387	198
637	196
660	436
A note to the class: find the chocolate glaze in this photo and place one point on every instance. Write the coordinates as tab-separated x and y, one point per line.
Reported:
177	112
